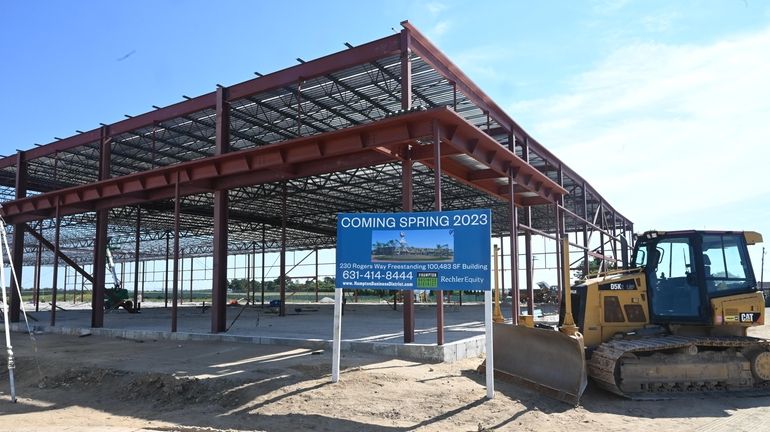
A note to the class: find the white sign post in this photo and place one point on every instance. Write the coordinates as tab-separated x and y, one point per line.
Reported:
337	335
414	250
490	365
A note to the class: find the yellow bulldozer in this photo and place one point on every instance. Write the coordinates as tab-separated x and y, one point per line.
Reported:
674	323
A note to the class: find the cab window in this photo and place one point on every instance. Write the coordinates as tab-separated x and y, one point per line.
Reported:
640	255
725	264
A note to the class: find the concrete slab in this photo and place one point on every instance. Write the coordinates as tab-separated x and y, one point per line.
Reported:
372	328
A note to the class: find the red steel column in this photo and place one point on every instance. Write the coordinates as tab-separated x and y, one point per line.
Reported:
192	278
515	301
181	272
100	243
36	281
262	301
165	269
136	254
560	230
18	238
614	237
437	193
252	280
406	71
55	277
502	271
406	171
282	309
603	226
557	254
406	197
219	284
528	238
586	265
528	257
175	295
66	275
316	275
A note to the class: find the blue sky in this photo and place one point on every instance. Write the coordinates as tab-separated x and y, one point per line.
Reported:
417	238
663	106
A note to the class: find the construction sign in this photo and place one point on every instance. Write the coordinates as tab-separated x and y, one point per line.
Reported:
425	251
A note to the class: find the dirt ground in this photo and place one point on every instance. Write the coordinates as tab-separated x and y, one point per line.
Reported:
92	383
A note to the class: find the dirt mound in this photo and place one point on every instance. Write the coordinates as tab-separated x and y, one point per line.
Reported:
170	390
81	378
160	389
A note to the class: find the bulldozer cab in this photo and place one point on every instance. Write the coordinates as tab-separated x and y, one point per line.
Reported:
686	269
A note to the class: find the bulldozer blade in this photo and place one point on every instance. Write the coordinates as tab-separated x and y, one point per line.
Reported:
549	361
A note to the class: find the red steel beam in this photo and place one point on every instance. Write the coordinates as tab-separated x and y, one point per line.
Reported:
423	47
301	157
361	54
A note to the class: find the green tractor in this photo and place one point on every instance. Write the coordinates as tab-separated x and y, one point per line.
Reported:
117	296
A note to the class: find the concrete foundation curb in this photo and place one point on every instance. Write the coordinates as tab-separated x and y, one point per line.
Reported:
449	352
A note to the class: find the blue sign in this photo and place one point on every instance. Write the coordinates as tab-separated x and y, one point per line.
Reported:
405	251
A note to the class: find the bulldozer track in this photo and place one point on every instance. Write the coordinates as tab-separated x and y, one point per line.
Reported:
604	360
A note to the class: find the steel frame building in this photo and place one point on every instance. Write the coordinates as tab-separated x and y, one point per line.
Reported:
391	125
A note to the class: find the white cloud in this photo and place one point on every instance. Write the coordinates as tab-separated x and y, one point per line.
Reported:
440	28
606	7
435	7
670	132
660	22
480	62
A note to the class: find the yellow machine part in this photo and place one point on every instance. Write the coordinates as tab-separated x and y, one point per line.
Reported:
549	361
692	359
611	311
738	311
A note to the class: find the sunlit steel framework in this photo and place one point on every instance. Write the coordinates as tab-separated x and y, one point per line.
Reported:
390	125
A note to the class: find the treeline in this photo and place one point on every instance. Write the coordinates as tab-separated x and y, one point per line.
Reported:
243	285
